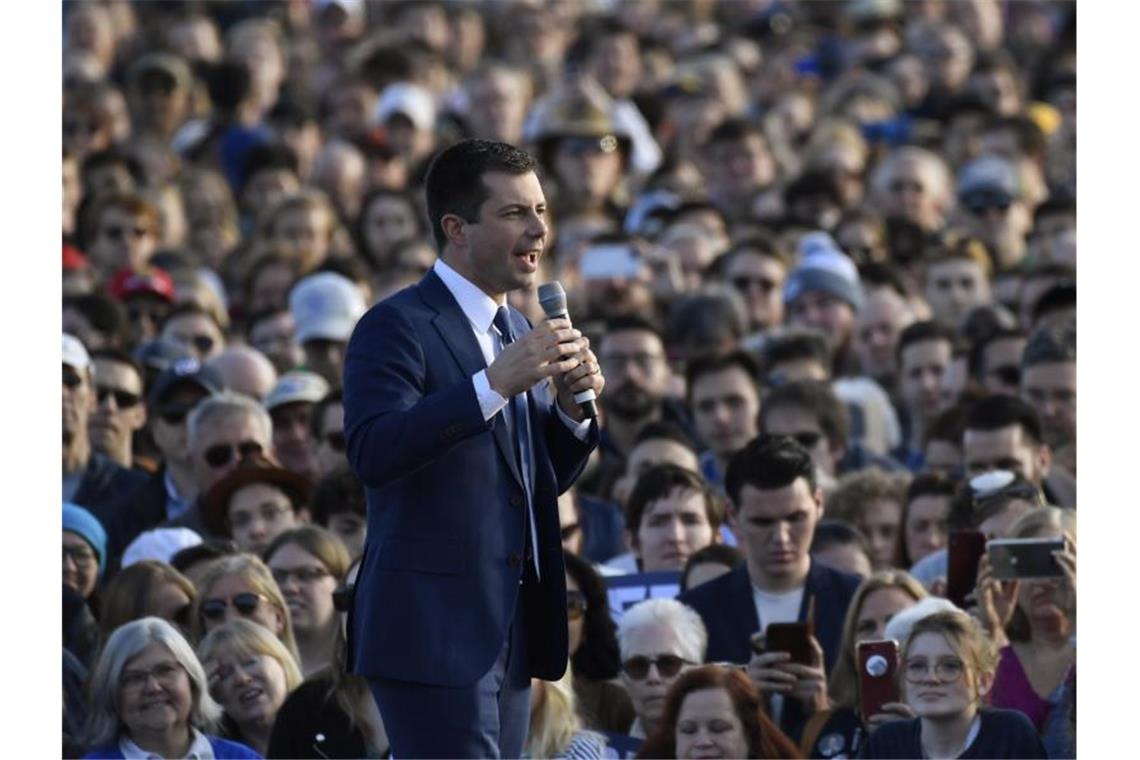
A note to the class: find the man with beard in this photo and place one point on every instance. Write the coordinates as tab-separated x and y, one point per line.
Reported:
632	357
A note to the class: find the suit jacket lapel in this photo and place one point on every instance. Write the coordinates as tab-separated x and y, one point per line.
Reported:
455	331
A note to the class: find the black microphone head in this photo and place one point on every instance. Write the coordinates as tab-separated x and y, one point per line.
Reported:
552	298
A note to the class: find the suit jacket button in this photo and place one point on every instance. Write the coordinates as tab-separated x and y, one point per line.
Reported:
516	500
514	559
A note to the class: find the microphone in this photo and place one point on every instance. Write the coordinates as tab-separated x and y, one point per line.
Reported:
553	300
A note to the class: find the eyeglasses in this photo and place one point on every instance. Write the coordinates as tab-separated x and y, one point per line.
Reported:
807	438
944	671
123	399
268	513
576	605
342	597
165	673
79	555
335	440
246	603
222	454
668	665
744	282
302	574
71	378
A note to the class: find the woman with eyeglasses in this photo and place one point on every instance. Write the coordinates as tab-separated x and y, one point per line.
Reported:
308	563
144	589
840	730
594	656
1037	669
149	698
255	502
947	666
332	714
241	586
715	711
84	552
249	673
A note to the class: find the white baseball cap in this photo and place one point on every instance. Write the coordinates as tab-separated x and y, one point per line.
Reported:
74	354
325	306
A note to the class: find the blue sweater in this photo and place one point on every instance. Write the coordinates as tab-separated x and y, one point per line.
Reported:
223	750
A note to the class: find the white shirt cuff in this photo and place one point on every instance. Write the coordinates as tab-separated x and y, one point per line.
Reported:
490	402
580	429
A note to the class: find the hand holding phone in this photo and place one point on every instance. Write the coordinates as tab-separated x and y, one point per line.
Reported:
1025	557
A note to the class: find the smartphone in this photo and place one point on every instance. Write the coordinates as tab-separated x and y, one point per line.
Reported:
963	553
1025	557
793	638
608	262
878	664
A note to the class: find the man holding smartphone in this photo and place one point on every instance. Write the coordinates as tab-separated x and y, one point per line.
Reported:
775	504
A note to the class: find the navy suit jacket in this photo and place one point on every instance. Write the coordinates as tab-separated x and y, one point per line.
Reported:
443	560
728	610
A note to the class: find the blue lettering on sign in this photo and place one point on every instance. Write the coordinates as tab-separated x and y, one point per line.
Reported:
627	590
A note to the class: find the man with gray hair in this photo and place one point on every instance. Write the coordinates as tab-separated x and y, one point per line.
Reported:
659	639
221	432
914	185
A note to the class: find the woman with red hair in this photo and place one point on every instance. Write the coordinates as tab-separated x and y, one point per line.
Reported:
714	711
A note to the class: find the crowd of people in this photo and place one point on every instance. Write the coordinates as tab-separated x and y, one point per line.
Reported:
825	253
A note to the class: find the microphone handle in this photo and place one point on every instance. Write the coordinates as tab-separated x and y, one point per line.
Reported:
586	399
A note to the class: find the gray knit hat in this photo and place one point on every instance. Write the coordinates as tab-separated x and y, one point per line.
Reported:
824	267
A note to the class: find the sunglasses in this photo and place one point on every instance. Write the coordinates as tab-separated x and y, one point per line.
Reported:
668	665
807	438
222	454
745	283
576	605
335	440
246	603
302	574
342	597
123	399
71	378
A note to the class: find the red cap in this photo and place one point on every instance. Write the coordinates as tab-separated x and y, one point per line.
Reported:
154	282
73	258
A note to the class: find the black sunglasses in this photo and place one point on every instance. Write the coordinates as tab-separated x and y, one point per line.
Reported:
123	399
222	454
668	665
246	603
744	283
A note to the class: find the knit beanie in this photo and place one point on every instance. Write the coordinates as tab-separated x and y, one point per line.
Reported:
824	267
85	525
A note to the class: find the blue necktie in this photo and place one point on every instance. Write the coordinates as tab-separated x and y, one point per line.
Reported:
523	449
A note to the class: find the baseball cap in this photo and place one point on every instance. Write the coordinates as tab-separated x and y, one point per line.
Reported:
988	181
296	385
325	306
160	353
154	282
159	544
408	99
187	371
74	354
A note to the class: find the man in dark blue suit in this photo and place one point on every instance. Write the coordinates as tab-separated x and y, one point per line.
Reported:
775	504
460	421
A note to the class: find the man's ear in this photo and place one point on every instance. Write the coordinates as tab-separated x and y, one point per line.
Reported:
819	500
454	229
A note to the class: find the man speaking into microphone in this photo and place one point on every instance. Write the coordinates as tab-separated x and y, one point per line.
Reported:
460	419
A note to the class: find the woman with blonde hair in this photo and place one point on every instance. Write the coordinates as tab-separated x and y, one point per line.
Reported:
308	563
947	670
250	673
842	729
555	729
241	586
149	698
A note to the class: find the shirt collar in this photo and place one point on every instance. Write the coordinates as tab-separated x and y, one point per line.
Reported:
477	306
200	748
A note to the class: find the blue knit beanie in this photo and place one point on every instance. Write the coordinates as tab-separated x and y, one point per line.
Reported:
85	525
824	267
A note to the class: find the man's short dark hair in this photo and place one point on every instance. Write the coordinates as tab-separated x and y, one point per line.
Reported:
663	431
104	313
338	492
795	345
709	364
884	275
816	397
1000	411
947	426
1057	298
768	462
921	332
661	480
977	361
1050	344
735	130
454	182
122	357
269	156
707	318
838	533
713	554
316	421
